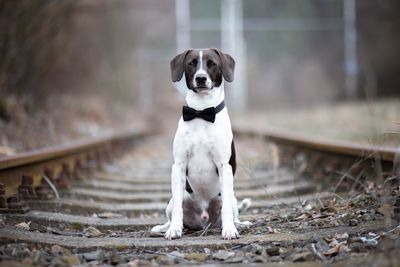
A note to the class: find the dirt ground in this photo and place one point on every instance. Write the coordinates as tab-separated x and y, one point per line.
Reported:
357	227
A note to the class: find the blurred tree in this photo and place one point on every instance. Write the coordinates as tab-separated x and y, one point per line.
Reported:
32	35
378	25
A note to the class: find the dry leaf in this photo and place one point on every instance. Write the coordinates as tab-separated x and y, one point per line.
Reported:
23	226
332	251
343	236
337	246
92	232
302	217
273	230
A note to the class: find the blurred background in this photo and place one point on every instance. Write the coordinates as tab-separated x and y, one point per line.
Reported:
77	68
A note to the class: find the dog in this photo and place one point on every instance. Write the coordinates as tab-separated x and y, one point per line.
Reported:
203	148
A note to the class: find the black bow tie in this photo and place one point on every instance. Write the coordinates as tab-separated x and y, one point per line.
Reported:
207	114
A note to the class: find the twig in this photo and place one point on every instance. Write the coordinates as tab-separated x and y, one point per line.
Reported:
205	230
338	196
154	252
378	236
278	200
352	167
357	181
274	197
317	253
242	245
317	196
389	179
246	169
396	162
52	186
297	172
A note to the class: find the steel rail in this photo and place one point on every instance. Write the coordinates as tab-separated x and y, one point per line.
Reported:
346	148
28	175
70	149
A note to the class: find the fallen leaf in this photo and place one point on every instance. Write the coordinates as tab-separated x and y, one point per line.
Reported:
23	226
332	251
92	232
273	230
336	247
343	236
330	202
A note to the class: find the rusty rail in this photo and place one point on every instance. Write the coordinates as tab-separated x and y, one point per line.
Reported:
345	148
21	175
64	150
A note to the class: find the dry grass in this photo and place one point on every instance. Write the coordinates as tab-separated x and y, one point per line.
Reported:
376	123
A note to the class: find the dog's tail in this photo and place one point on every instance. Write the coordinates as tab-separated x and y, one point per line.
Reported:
244	205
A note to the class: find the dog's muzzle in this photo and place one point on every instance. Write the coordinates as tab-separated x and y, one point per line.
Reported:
202	83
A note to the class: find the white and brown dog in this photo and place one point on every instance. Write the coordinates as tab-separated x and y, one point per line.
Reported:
203	149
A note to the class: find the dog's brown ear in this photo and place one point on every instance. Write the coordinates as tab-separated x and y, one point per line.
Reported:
177	67
228	65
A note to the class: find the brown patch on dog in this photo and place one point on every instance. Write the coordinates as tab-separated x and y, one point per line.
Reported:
232	160
193	214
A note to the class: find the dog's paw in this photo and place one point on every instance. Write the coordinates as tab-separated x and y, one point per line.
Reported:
160	228
173	233
229	232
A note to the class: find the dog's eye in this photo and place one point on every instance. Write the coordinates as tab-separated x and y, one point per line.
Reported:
193	63
211	63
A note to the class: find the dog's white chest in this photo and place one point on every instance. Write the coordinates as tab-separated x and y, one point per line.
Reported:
200	137
204	139
203	144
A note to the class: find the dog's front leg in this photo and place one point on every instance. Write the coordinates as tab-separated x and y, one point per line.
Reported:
226	183
178	177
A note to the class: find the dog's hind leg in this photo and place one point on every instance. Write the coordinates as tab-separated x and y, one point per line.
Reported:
244	205
164	227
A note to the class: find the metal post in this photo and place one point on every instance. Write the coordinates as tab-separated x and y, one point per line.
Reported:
232	41
350	48
145	82
182	9
182	16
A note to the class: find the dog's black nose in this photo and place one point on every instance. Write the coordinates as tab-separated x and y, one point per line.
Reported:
201	80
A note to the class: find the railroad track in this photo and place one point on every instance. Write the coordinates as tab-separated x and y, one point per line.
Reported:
312	202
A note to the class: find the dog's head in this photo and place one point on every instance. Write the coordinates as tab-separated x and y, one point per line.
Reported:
203	69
